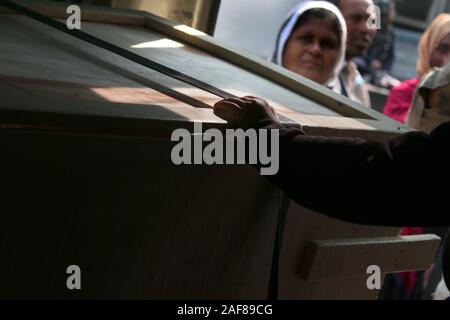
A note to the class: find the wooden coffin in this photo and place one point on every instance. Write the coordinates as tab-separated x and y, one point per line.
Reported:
88	179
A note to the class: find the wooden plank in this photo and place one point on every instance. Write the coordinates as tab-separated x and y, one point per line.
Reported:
108	114
267	70
154	93
138	226
351	257
304	226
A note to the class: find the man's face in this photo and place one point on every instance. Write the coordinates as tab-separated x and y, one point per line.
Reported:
359	36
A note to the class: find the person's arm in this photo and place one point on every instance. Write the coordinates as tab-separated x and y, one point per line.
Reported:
396	182
399	181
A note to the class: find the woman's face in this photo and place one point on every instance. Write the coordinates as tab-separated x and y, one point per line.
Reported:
441	55
312	50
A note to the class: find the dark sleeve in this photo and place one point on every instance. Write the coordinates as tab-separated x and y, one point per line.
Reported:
398	181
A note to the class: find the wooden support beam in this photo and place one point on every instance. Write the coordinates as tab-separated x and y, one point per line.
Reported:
351	257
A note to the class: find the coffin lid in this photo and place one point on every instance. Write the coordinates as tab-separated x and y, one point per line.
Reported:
55	81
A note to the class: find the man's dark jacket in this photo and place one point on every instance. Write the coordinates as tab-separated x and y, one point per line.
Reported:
400	181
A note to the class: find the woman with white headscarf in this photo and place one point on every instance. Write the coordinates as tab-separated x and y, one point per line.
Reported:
311	42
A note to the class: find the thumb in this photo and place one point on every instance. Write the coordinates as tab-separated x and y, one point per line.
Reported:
226	110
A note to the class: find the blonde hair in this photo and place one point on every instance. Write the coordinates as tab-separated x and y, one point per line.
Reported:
439	28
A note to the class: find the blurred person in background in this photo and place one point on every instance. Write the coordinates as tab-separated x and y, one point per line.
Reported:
377	64
431	102
434	51
359	39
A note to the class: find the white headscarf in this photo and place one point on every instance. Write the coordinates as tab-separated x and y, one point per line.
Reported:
290	23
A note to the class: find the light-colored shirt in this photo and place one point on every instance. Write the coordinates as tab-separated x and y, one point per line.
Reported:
354	84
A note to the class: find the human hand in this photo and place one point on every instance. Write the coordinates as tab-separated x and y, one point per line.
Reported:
246	112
